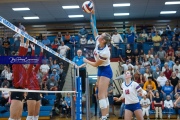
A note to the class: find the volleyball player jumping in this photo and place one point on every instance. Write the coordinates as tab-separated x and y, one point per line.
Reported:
102	62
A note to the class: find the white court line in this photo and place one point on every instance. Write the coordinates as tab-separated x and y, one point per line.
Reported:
17	30
36	91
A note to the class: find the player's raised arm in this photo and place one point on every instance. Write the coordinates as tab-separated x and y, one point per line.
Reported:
93	21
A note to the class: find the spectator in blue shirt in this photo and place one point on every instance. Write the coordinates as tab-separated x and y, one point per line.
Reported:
46	41
54	65
78	60
56	76
157	61
83	32
68	104
130	39
167	89
73	40
170	63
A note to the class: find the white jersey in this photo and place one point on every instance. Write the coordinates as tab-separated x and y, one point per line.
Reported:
130	92
102	54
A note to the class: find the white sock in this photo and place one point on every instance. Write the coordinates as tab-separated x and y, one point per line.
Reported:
107	115
10	119
30	118
36	117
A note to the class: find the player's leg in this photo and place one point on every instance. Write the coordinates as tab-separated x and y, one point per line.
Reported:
31	108
128	114
37	109
138	114
103	84
15	109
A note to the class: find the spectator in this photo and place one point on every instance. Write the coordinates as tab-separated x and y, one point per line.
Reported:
24	101
52	84
153	52
147	74
91	41
161	55
59	37
73	40
21	26
16	44
177	57
46	41
165	44
67	38
177	31
5	83
133	28
6	46
177	88
149	82
170	52
158	103
177	73
125	66
55	44
156	39
5	97
173	79
62	49
56	76
8	76
4	72
145	104
83	40
141	55
44	67
177	106
128	52
83	32
68	104
153	67
170	63
121	111
177	52
164	67
144	35
140	41
130	38
168	30
146	63
168	73
174	44
110	97
94	100
162	79
167	89
156	73
149	56
176	66
55	66
78	60
116	38
157	61
136	55
168	105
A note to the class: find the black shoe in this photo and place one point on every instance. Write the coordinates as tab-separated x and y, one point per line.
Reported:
119	117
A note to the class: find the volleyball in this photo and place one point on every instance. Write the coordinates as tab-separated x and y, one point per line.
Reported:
87	6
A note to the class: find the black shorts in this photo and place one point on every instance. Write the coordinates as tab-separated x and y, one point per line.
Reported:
33	96
17	96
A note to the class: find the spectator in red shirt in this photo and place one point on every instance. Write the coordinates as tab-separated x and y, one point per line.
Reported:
168	73
170	52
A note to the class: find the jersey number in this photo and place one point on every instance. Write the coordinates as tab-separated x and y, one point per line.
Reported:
127	91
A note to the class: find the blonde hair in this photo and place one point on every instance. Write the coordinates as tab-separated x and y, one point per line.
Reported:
107	38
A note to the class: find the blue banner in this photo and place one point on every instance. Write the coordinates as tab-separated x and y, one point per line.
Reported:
21	60
79	99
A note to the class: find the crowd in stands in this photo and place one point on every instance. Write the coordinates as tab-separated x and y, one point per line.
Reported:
157	71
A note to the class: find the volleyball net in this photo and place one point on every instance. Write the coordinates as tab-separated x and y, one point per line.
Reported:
76	86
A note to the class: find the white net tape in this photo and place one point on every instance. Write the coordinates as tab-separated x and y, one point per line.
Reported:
36	91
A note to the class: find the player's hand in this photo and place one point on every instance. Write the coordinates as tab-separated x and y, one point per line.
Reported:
116	99
32	46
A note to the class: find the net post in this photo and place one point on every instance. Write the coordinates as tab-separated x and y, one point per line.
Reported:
73	77
87	99
78	99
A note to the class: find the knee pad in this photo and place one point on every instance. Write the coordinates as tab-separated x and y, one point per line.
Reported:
30	118
103	104
107	101
36	117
